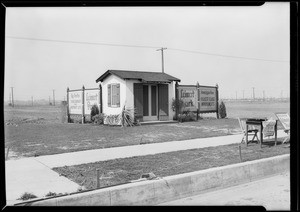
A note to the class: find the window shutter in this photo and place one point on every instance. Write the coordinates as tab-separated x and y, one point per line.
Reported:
109	95
118	95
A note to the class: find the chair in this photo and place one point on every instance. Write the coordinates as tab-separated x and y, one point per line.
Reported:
251	130
284	119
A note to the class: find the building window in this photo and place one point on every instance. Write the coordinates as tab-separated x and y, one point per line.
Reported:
113	95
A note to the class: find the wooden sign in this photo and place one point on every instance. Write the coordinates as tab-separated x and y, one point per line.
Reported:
207	98
189	95
75	102
91	97
284	119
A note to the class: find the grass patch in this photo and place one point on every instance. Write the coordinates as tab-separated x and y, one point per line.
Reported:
119	171
36	131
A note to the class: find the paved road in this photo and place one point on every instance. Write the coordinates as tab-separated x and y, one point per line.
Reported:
273	193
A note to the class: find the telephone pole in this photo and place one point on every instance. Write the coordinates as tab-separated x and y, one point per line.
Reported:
53	98
162	57
12	96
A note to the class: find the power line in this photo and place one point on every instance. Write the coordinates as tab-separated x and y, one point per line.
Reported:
222	55
81	42
152	47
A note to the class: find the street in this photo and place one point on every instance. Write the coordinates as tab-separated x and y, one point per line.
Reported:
273	193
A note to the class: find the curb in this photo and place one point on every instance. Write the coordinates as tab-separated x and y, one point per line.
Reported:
153	192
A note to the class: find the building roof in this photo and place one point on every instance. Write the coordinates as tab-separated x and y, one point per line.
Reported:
157	77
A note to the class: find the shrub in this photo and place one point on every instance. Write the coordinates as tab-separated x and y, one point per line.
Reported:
98	119
126	117
179	105
222	110
94	111
27	196
50	194
112	120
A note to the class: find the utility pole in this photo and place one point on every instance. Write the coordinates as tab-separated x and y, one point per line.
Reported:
162	57
253	93
53	98
12	96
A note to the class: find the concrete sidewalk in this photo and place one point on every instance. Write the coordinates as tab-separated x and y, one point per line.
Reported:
34	174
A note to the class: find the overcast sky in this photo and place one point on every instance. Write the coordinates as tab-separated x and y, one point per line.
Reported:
205	44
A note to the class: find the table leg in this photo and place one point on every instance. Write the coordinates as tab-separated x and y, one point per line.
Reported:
246	134
261	135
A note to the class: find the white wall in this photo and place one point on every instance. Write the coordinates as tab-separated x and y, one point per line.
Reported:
113	110
171	96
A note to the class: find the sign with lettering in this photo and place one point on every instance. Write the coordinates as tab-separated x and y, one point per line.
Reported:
208	98
75	102
91	97
189	96
284	119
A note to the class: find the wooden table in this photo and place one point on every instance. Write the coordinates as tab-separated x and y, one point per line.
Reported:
258	122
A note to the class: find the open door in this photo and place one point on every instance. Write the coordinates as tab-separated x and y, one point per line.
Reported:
163	102
138	101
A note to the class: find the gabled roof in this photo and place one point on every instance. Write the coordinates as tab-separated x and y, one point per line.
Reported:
143	76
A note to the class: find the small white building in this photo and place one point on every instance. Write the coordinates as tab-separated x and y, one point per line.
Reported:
150	93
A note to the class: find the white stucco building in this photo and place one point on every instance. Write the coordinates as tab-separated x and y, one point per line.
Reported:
150	93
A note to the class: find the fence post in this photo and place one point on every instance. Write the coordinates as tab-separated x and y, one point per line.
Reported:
100	99
68	112
217	95
83	116
176	100
198	99
98	176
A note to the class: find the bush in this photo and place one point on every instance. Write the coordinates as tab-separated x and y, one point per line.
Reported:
112	120
27	196
126	117
94	111
98	119
179	105
50	194
222	110
187	115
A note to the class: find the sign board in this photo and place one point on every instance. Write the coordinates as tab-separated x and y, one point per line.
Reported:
91	97
208	98
189	95
284	119
75	102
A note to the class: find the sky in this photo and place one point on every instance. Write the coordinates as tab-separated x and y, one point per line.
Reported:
242	49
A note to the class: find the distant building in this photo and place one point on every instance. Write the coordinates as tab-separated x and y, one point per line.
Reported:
150	93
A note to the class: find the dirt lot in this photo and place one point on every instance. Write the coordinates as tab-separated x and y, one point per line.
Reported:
34	131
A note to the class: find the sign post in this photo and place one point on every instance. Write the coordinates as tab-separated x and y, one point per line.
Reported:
83	117
68	112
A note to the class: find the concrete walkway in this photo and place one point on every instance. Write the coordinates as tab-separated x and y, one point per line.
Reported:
34	174
275	195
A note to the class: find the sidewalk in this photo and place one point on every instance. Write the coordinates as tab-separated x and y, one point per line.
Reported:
34	174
